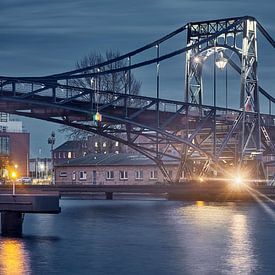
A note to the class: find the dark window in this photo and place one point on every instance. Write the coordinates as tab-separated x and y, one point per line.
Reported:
123	175
4	145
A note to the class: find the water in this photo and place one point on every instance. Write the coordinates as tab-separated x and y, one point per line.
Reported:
144	237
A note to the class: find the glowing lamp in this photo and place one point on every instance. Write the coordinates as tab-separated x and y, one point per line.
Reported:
13	174
197	59
97	117
221	61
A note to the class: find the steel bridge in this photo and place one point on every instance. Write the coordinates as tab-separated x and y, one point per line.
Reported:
202	139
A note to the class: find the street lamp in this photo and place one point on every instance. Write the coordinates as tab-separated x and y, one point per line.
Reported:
221	61
51	140
13	176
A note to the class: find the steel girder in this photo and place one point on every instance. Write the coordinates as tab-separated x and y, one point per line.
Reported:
158	135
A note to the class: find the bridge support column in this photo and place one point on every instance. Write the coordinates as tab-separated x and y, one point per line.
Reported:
11	223
109	195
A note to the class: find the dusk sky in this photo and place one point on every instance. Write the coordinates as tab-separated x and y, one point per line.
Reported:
45	37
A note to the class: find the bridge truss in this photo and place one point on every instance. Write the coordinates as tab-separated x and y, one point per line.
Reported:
201	139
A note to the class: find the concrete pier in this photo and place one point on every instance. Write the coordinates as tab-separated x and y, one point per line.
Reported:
13	208
11	223
109	195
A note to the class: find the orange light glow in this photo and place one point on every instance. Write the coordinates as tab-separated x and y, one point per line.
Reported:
200	203
13	174
14	258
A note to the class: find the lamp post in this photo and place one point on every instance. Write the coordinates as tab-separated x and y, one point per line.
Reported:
51	141
13	176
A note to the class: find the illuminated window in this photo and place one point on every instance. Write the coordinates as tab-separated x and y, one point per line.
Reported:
82	175
104	144
69	155
110	175
123	175
74	175
117	143
96	144
153	174
139	175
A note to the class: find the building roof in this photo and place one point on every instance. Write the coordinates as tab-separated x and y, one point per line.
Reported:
110	160
70	145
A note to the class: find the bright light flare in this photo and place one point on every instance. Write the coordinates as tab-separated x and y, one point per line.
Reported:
197	59
238	181
13	174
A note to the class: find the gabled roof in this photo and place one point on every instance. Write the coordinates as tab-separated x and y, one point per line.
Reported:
110	160
70	145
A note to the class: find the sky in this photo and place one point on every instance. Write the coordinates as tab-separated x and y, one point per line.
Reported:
40	37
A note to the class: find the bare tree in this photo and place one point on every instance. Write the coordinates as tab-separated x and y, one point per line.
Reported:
116	82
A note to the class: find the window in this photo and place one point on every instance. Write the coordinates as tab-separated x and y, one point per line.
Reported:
63	174
110	175
3	128
153	174
139	175
82	175
59	155
74	175
96	144
123	175
104	144
94	177
84	145
4	145
117	143
69	155
64	155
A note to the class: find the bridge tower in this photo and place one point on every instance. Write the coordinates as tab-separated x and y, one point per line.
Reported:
242	41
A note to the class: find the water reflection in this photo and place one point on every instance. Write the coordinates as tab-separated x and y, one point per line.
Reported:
241	259
201	228
14	258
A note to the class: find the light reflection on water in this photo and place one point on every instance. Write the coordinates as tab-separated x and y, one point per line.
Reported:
14	257
216	234
143	237
241	255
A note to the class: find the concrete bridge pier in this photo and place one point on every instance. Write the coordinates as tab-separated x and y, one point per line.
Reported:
109	195
14	207
12	223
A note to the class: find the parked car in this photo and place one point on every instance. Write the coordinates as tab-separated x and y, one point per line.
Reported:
26	180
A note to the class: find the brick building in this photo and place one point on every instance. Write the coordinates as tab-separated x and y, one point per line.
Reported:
110	169
95	144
